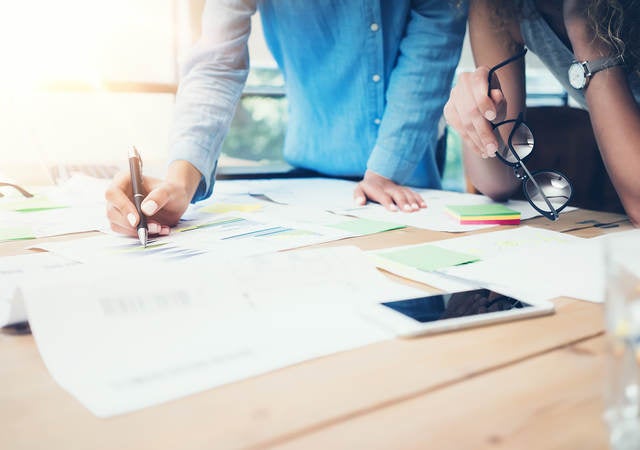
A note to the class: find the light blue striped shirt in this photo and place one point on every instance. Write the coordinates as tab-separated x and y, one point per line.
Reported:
366	82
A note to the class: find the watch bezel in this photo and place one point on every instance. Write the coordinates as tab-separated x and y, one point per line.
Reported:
578	66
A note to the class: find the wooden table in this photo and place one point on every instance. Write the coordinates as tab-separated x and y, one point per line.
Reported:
534	383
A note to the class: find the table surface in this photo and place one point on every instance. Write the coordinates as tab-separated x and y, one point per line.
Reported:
534	383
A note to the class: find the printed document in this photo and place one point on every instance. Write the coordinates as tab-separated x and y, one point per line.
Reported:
124	337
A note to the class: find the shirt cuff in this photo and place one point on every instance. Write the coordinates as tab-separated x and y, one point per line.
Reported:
201	159
390	165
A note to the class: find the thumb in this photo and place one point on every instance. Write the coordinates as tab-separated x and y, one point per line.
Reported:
156	200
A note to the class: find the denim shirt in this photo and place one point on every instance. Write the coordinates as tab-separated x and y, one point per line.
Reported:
366	82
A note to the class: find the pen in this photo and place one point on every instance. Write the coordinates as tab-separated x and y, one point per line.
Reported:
135	166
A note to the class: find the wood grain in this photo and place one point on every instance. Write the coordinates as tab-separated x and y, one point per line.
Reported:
551	401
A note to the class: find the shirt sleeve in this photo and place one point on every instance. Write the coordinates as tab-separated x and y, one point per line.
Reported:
211	82
419	86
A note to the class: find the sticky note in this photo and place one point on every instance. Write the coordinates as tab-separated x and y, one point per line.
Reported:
428	257
367	226
490	213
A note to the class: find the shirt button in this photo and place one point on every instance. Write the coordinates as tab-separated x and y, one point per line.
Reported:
375	78
377	121
374	27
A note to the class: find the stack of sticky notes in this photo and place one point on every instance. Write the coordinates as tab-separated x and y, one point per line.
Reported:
486	214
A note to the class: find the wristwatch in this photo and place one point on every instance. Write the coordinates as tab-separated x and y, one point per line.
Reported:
580	72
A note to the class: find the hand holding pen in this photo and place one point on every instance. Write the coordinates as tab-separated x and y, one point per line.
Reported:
161	208
135	168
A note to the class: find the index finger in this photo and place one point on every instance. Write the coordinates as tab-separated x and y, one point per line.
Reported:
118	194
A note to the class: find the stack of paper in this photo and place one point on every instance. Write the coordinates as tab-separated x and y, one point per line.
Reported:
118	345
456	264
484	214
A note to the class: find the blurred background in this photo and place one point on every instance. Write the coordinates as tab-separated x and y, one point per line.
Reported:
83	80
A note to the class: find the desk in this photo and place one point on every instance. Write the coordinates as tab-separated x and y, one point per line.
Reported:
534	384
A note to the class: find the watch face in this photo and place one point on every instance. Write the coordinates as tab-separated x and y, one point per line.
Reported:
577	78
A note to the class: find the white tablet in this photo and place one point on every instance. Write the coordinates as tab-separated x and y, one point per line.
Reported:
451	311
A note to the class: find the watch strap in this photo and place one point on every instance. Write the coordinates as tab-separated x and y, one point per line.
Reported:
597	65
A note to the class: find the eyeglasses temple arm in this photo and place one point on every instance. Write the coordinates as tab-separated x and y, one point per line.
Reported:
18	188
519	121
519	55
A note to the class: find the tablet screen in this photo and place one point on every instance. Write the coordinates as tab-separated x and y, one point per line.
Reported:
457	304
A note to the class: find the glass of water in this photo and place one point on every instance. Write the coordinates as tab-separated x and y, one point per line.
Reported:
622	315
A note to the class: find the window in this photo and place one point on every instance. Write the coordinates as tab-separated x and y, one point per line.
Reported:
256	137
83	81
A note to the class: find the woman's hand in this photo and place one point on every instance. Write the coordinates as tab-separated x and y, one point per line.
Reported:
470	111
389	194
164	205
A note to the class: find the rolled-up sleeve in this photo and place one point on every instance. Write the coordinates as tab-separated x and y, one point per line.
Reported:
211	83
419	86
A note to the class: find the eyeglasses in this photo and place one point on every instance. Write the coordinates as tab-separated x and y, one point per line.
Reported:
548	191
23	191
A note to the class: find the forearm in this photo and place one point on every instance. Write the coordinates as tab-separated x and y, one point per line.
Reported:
490	46
616	124
615	117
489	176
203	112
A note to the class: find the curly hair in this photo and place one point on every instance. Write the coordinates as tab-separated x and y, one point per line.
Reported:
614	22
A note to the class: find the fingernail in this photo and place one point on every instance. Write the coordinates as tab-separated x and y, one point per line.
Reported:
149	207
393	207
484	156
132	219
492	149
414	206
407	207
164	231
359	200
154	228
490	115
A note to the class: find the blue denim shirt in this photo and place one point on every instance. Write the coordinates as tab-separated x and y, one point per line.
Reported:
366	82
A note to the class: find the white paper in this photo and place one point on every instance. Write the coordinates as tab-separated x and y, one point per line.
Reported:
84	209
322	193
486	246
15	270
121	337
574	270
491	244
230	235
56	222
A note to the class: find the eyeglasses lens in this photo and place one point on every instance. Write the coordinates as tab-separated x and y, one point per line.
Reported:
555	187
521	141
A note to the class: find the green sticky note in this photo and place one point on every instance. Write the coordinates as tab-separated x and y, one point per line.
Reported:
428	257
489	209
366	226
16	233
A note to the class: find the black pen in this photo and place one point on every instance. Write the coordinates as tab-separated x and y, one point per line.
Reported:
135	166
